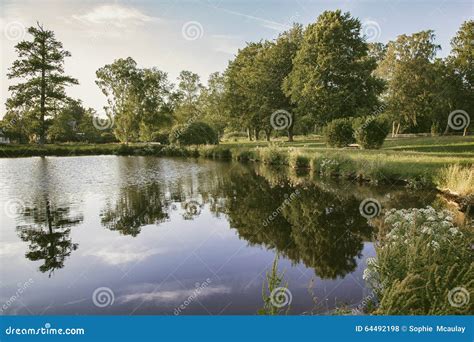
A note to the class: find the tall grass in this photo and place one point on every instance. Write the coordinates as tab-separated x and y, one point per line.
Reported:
458	179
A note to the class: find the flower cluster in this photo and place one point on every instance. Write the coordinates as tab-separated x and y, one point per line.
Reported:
435	226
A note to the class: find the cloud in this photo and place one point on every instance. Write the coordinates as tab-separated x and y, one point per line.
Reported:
126	254
270	24
173	296
116	15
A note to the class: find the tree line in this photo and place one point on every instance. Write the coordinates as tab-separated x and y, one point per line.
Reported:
294	84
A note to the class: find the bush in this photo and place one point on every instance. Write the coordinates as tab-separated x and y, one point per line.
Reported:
339	133
245	155
370	132
273	156
196	133
423	265
161	137
298	161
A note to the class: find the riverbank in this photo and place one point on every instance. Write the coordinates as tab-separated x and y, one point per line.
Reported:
416	162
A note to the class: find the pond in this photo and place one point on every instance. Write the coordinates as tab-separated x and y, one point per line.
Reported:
145	235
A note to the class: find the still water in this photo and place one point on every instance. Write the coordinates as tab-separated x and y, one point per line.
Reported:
144	235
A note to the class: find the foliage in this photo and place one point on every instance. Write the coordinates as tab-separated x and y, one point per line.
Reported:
298	161
457	179
370	132
339	133
272	155
41	66
196	133
274	281
139	100
422	256
328	69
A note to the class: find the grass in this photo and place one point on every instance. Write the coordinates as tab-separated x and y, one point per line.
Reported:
457	179
415	160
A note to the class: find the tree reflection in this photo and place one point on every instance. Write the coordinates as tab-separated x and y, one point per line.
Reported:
135	207
324	230
47	229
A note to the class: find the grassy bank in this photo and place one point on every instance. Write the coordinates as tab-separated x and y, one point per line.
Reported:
415	161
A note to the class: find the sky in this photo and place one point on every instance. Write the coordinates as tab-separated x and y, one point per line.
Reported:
200	35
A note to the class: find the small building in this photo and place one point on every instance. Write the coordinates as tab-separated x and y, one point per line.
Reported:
3	138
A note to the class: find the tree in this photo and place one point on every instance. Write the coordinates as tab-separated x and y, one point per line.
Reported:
41	64
461	64
118	82
138	99
410	75
332	71
238	87
187	97
212	103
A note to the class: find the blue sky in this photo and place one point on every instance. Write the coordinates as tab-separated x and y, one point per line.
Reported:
199	35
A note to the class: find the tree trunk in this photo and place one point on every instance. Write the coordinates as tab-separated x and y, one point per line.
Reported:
268	133
393	129
257	134
465	131
42	97
398	129
249	134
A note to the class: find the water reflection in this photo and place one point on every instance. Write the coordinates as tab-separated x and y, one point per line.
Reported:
151	227
47	228
135	207
323	230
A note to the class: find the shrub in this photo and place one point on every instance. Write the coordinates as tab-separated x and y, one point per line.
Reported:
339	133
196	133
422	260
273	156
298	161
370	132
161	137
245	155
